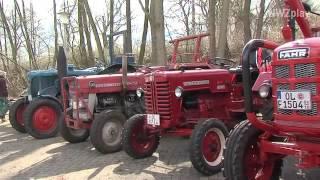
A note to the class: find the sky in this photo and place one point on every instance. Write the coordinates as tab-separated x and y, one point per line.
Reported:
44	10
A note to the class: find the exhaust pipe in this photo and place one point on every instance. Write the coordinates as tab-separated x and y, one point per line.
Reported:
62	64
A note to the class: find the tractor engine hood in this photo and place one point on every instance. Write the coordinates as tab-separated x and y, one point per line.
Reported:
107	83
302	48
214	80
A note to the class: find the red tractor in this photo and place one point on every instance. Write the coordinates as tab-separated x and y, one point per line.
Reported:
289	92
178	103
99	105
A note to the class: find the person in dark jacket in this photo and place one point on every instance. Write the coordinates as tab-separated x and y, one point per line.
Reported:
3	95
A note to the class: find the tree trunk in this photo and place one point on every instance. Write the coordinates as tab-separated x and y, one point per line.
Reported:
111	49
157	33
91	59
12	44
246	21
25	32
56	36
129	32
223	31
144	33
193	7
212	28
260	19
95	31
83	52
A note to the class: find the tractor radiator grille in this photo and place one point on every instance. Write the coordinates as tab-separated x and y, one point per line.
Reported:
300	71
304	70
282	71
157	99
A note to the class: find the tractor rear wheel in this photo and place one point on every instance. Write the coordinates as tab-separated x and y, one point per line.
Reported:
41	118
16	112
105	132
135	142
241	156
206	148
73	135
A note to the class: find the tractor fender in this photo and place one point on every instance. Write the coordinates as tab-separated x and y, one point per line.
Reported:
53	98
263	78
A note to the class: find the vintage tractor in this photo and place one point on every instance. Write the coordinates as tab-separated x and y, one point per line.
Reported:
179	101
289	92
37	112
99	105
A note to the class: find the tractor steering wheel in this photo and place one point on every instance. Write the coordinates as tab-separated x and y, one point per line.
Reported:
223	62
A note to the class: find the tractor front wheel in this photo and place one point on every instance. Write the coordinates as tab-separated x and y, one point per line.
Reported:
41	118
105	132
242	156
16	112
135	142
73	135
206	148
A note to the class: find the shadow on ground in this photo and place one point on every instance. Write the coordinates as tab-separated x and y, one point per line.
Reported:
171	161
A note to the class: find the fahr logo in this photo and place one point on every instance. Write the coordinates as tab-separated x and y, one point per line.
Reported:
294	53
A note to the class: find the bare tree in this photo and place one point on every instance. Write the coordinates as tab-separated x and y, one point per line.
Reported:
88	38
193	20
13	42
246	21
157	32
111	53
260	19
25	32
55	33
212	28
94	30
82	45
145	31
223	31
129	33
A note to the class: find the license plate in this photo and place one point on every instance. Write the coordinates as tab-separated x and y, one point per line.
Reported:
153	119
294	100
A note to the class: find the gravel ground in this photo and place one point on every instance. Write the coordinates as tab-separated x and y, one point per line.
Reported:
22	157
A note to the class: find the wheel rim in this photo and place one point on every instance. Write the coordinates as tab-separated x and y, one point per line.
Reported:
212	146
19	114
111	133
44	119
140	143
252	163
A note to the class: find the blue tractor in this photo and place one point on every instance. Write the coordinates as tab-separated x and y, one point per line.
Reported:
38	111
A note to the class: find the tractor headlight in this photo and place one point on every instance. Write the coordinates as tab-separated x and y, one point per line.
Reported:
139	92
264	90
178	92
70	102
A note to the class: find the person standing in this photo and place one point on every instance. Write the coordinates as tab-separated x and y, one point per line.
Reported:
3	96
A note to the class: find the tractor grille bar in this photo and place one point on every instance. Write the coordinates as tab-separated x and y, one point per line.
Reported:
157	99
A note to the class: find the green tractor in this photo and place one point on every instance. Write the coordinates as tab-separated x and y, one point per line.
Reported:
38	111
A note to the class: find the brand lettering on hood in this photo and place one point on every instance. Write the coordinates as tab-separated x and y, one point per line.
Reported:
294	53
105	85
196	83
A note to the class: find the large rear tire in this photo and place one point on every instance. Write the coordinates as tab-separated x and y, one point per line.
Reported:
73	135
241	156
206	148
41	118
135	142
105	132
16	112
